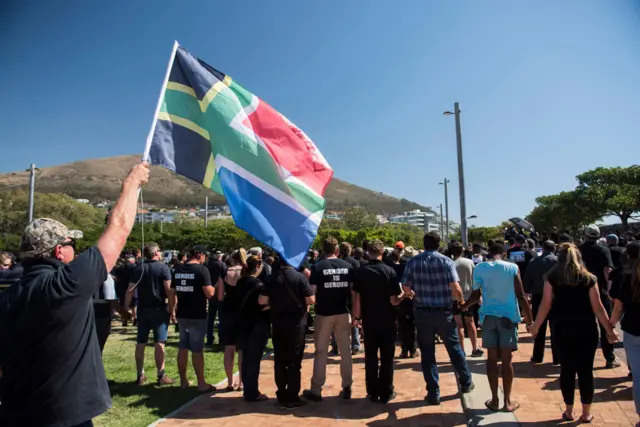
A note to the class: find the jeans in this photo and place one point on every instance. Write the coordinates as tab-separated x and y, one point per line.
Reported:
540	340
607	348
288	346
211	318
355	340
428	324
254	342
379	377
632	349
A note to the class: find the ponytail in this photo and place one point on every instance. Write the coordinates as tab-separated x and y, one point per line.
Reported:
252	266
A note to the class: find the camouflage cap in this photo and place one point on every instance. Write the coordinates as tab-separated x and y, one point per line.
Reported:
43	234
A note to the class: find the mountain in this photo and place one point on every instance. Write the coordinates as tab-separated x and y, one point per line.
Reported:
100	179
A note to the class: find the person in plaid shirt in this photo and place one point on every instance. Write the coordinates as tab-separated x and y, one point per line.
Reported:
434	280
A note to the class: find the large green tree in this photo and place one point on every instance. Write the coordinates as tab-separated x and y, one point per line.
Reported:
611	191
568	210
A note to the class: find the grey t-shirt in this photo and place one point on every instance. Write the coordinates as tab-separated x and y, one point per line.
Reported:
464	267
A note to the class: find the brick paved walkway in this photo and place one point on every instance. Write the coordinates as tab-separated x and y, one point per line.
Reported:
408	409
536	388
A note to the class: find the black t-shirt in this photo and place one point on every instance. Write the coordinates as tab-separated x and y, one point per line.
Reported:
596	257
354	262
217	270
622	290
248	290
123	275
616	252
333	278
376	283
52	368
281	288
521	257
363	262
188	281
571	304
150	277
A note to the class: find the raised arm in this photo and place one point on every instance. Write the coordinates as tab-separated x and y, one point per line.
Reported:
122	217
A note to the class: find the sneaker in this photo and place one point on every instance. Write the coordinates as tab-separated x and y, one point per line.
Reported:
414	353
346	393
613	364
355	351
141	379
469	389
477	353
165	380
373	399
334	351
309	395
389	398
404	354
432	399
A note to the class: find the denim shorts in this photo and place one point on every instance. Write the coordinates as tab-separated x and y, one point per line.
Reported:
192	333
154	319
495	334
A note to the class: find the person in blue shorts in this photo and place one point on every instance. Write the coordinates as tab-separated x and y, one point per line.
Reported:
499	284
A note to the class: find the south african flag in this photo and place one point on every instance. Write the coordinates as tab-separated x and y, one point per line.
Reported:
212	130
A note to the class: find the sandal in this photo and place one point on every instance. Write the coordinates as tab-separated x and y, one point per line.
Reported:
587	421
566	417
516	405
489	406
210	389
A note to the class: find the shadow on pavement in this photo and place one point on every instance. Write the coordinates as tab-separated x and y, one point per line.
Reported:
332	407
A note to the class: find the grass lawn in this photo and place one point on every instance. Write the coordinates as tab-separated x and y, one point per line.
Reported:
135	406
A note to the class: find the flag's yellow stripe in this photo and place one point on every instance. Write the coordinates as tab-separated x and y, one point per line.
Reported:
208	97
181	88
185	123
210	173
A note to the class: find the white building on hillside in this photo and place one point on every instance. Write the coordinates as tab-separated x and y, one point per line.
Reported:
428	221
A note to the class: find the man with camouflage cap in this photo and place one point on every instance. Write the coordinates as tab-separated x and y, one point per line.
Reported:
52	373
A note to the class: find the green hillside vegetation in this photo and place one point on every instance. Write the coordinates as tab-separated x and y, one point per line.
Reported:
100	179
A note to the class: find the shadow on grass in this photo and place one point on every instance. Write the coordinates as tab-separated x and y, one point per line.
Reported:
159	400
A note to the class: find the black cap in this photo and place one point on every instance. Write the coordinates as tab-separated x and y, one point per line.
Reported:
198	249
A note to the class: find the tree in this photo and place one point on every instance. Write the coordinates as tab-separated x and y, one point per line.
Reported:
358	218
612	191
568	210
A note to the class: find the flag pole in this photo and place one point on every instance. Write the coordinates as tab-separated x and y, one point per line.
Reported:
147	148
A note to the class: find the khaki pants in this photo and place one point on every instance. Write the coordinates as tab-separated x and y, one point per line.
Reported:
340	325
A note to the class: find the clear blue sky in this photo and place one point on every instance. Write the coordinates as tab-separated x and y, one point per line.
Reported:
547	89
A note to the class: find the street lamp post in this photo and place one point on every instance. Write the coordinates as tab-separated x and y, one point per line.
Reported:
463	206
441	220
446	208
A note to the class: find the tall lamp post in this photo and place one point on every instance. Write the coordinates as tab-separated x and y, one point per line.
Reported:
446	208
463	205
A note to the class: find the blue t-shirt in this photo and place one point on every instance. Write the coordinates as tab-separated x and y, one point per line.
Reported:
495	278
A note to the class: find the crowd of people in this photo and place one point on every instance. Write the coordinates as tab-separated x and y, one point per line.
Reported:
56	319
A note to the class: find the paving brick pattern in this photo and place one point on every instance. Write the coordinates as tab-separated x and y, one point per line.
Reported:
536	388
407	410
